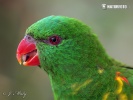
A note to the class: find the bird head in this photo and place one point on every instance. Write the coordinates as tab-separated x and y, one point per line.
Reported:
58	42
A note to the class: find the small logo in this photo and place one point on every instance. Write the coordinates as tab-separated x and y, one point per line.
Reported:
105	6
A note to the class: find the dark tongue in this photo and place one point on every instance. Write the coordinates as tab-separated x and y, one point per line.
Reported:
29	55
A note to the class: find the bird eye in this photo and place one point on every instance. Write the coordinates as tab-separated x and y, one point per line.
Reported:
54	40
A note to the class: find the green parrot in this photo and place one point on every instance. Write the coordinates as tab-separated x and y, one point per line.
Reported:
77	64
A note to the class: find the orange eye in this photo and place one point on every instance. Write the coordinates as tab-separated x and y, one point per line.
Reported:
54	40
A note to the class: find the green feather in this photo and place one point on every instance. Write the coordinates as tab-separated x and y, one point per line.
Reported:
79	67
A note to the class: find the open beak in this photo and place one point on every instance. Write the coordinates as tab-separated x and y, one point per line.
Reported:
27	53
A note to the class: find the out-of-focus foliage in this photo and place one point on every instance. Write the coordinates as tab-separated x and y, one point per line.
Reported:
114	28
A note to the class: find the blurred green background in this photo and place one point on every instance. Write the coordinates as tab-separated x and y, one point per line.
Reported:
113	27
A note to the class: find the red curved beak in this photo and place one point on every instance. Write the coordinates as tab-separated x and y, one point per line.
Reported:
27	53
